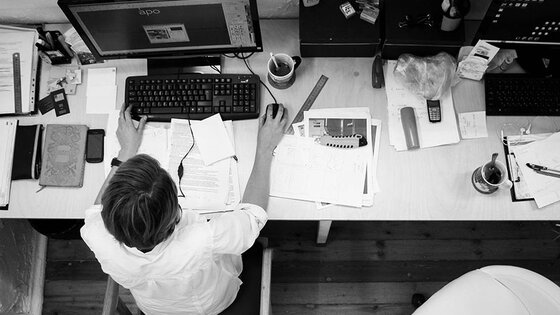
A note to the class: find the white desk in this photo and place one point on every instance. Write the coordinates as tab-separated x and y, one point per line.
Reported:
427	184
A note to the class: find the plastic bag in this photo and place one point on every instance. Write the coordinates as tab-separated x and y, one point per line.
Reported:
429	77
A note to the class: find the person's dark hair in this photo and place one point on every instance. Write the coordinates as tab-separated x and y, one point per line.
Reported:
140	206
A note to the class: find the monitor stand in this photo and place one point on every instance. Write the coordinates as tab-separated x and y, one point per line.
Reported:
184	65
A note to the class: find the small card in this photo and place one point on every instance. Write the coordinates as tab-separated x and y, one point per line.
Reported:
60	102
347	9
475	64
46	104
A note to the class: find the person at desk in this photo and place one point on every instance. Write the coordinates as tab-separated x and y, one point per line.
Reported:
174	261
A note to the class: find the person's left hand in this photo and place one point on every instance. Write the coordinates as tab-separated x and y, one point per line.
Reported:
129	136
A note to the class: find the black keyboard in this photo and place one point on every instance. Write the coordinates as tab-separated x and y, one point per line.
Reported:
521	95
193	96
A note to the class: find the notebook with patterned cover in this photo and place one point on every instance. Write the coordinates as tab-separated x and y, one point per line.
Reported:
64	156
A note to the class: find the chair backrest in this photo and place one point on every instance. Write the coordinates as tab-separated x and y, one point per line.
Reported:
538	294
113	304
495	290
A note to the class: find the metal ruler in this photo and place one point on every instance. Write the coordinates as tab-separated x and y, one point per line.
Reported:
17	82
308	103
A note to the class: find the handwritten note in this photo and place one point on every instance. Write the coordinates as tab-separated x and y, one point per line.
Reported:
473	125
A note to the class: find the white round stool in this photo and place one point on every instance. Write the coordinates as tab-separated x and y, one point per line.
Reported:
495	290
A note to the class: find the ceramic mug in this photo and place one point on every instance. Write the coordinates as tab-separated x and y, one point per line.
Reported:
283	76
487	179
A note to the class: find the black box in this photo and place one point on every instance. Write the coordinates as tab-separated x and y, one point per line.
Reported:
419	40
324	31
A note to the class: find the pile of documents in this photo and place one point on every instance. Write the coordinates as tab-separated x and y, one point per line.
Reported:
210	181
545	151
7	142
18	69
429	134
306	170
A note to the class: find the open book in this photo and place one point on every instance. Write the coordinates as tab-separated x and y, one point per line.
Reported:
18	70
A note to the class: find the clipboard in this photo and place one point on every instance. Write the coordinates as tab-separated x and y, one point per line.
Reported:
513	174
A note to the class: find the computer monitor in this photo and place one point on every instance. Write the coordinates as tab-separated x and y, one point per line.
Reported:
532	27
166	31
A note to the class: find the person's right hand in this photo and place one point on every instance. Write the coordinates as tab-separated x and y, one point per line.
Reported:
129	135
271	130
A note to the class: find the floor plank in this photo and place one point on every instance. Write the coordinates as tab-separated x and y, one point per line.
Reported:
396	271
391	250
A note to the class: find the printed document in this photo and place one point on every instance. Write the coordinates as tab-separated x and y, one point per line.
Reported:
304	169
546	152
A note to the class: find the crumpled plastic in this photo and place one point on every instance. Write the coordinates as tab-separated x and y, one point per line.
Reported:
429	77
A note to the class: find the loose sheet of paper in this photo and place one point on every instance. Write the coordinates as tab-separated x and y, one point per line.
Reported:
473	125
545	189
101	94
212	139
303	169
429	134
205	187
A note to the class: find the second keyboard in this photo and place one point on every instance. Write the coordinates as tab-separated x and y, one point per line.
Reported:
193	96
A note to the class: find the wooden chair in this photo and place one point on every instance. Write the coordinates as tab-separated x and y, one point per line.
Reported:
113	304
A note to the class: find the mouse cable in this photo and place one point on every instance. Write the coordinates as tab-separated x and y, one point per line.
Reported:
244	58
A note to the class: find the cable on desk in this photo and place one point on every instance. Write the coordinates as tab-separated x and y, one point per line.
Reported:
244	58
180	169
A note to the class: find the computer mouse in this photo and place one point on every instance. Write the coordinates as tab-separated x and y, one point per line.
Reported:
274	109
408	120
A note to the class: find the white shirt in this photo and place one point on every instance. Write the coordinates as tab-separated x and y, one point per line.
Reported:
195	271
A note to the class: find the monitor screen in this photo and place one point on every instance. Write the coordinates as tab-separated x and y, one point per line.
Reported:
129	29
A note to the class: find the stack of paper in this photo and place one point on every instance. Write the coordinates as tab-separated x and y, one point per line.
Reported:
209	183
545	189
101	94
303	169
7	141
429	134
17	54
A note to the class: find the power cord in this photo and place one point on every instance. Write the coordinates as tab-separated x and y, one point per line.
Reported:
244	58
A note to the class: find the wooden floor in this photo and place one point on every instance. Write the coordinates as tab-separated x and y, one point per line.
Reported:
366	267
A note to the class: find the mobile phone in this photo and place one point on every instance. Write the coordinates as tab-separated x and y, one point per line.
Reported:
94	145
434	111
